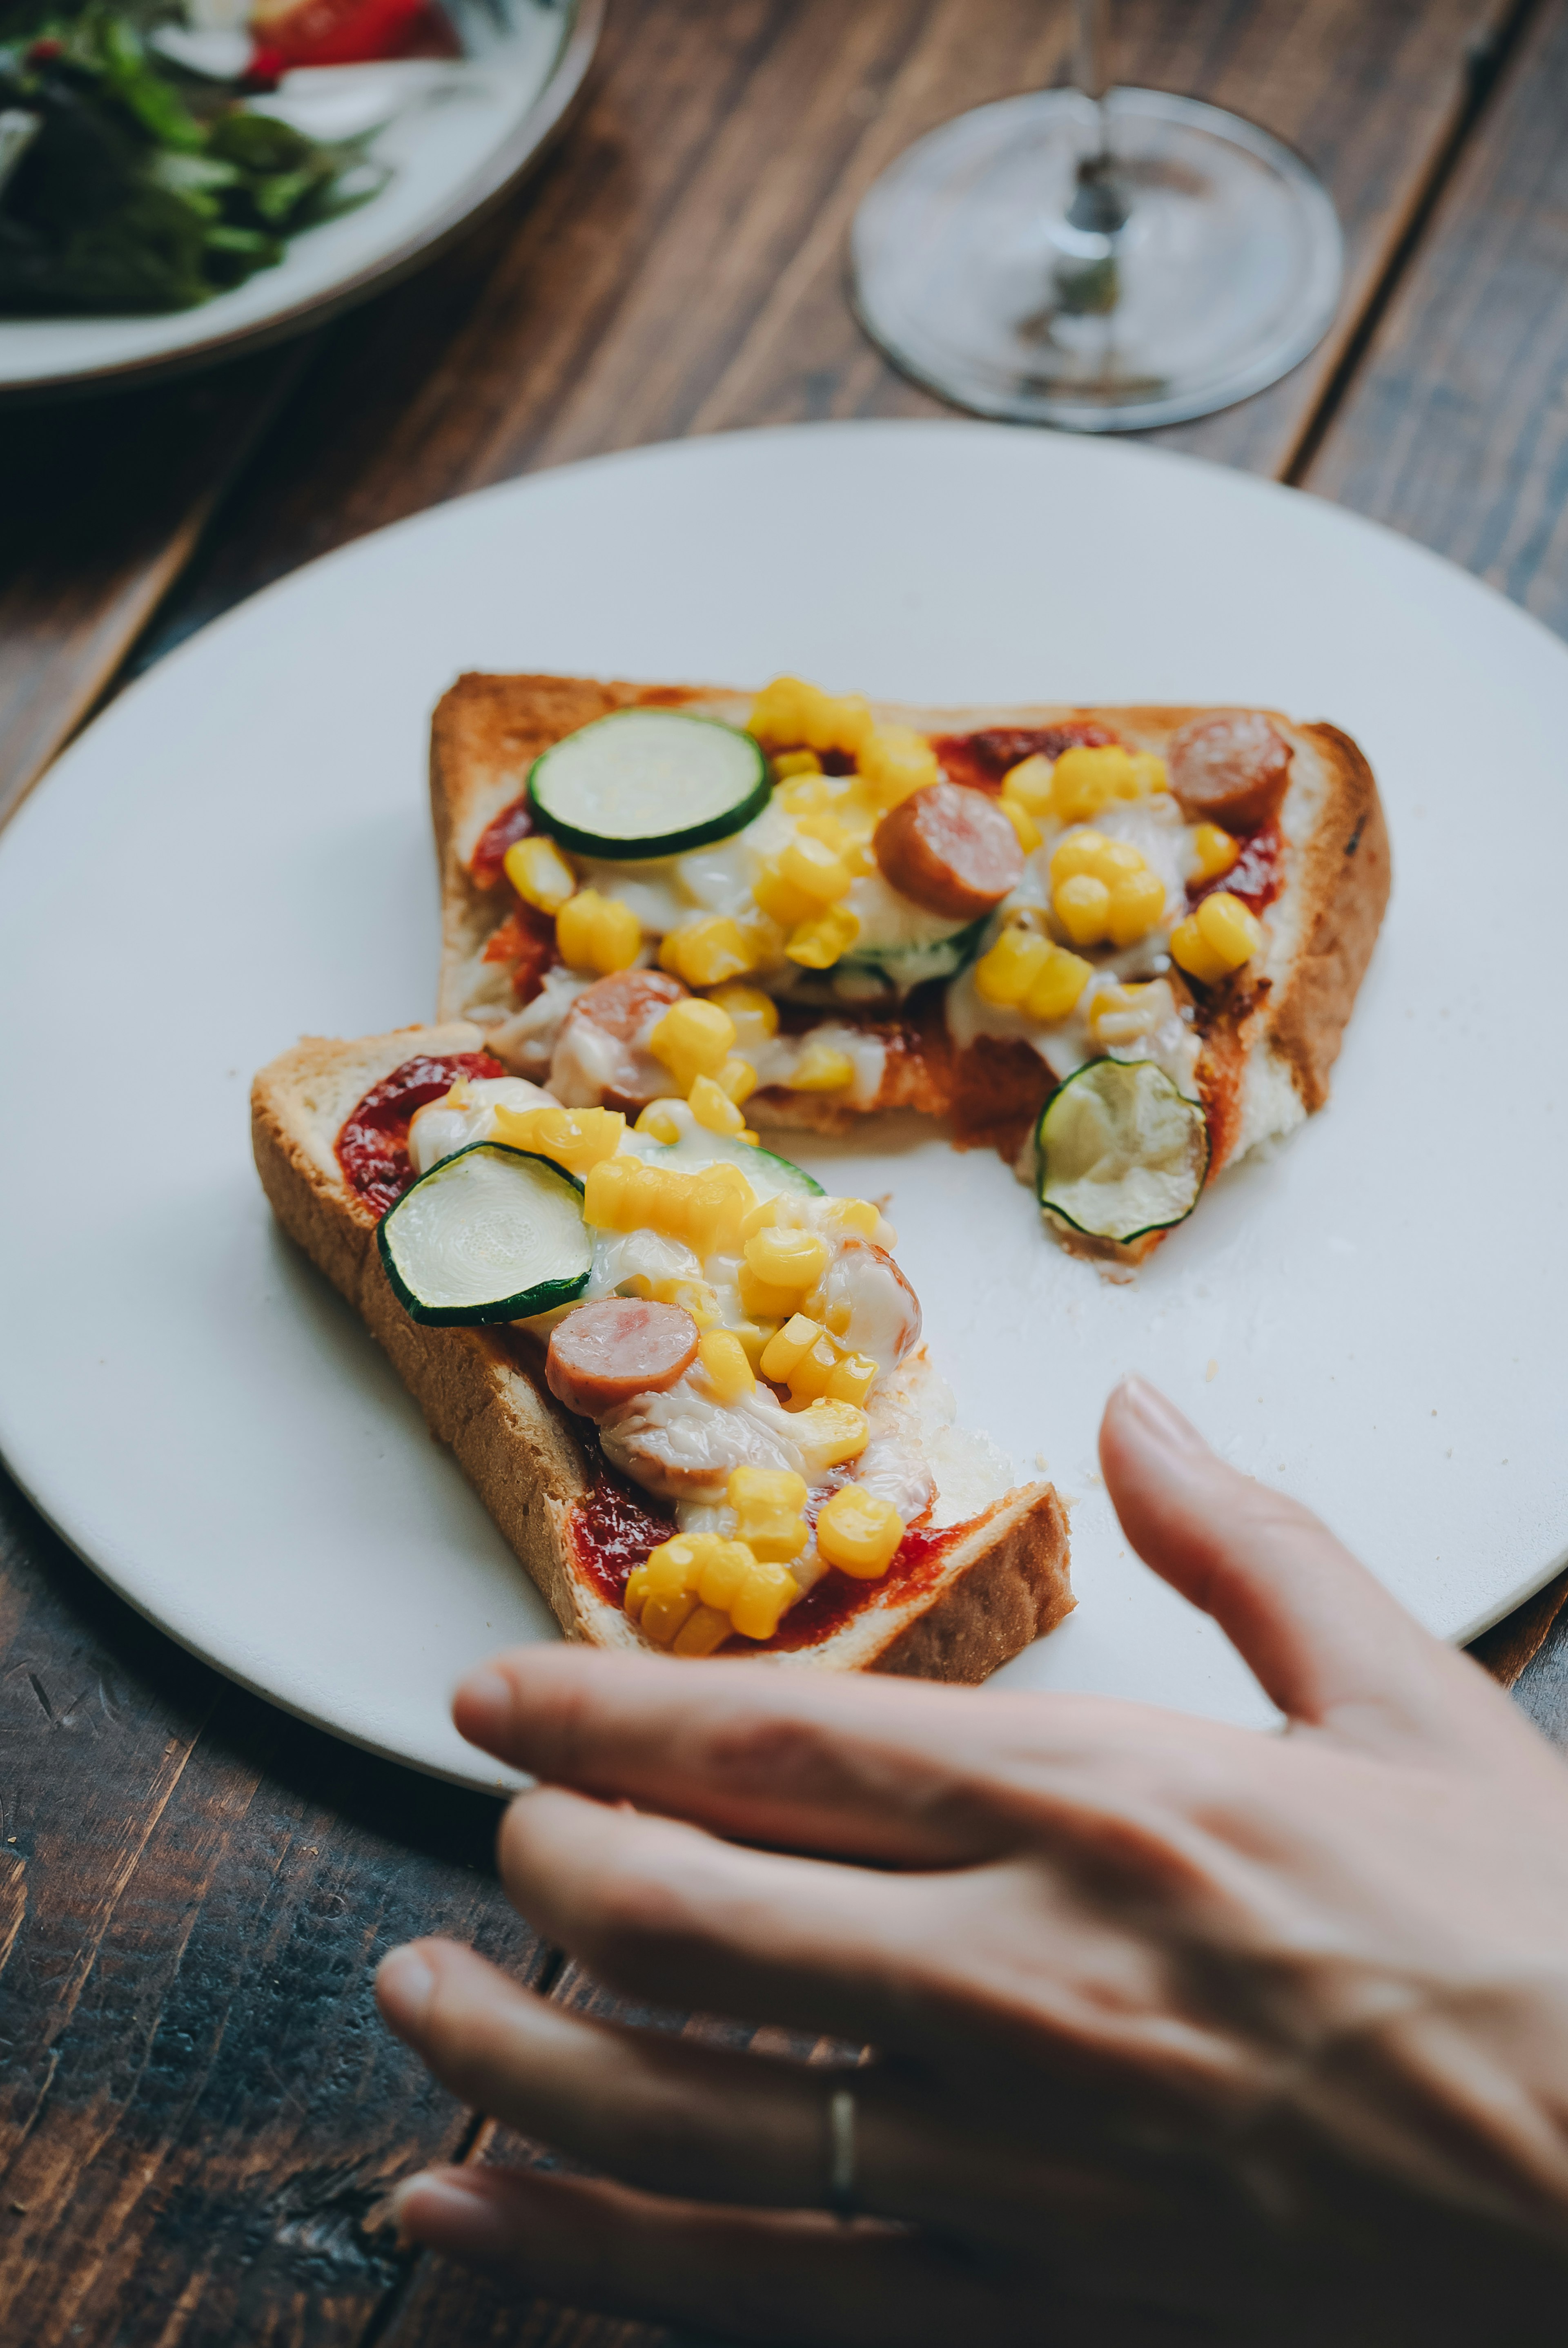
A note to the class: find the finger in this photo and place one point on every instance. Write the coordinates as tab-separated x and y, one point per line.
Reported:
706	2122
887	1769
1324	1638
751	2276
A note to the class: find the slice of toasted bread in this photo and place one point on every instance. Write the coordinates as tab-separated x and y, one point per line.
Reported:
987	1588
1269	1042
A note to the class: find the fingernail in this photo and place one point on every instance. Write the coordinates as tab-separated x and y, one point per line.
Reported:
445	2213
482	1707
403	1985
1159	1417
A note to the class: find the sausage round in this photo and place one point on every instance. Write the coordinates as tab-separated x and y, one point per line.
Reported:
949	849
621	1005
603	1354
1231	768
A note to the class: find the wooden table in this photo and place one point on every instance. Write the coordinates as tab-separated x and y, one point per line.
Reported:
201	2113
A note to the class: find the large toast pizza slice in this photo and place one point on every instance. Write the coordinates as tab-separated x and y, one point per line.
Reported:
689	1387
1119	944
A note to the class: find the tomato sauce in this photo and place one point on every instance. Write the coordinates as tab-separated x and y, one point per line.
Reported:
983	759
1256	877
612	1531
526	938
373	1147
514	823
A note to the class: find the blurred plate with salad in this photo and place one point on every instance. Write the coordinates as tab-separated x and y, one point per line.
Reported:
178	178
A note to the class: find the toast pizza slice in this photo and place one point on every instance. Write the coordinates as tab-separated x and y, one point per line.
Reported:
988	915
689	1387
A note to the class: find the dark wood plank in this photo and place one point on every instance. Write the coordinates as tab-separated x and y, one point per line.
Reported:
680	268
200	2113
1542	1687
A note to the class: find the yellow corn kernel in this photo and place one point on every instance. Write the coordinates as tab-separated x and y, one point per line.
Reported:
737	1079
753	1338
836	1319
1149	773
539	873
767	1502
814	868
796	762
1215	851
820	1070
831	1434
706	952
672	1568
1137	903
693	1296
1029	784
853	1379
662	1618
791	711
717	1202
819	944
658	1118
1080	852
823	827
694	1039
1023	822
894	760
636	1591
725	1565
753	1014
809	1378
766	1594
749	1135
712	1106
1229	928
724	1357
781	1351
1083	906
620	1194
855	1215
1084	780
703	1630
789	1258
762	1218
1056	990
1004	975
576	1139
779	898
859	1533
597	933
1121	1015
705	1210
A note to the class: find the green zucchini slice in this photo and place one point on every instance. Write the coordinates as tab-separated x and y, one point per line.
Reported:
1122	1151
490	1235
647	782
768	1174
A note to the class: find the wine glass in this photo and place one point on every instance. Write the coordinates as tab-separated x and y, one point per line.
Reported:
1101	258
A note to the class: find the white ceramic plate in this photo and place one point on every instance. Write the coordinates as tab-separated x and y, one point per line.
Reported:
239	851
475	126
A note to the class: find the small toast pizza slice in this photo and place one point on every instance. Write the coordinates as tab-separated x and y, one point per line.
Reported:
991	915
688	1385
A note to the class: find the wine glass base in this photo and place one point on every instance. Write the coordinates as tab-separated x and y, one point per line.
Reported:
990	268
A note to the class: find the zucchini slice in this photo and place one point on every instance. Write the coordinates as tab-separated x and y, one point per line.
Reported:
768	1174
490	1235
647	782
1122	1151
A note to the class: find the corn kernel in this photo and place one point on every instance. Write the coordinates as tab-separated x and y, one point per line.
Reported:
725	1565
672	1568
819	943
767	1502
718	1201
1137	903
788	1259
1215	851
855	1215
813	868
703	1630
539	873
762	1597
724	1357
662	1618
1056	990
705	1210
1078	852
636	1591
753	1338
597	934
706	952
796	762
1122	1015
820	1070
894	760
791	711
753	1014
1229	927
1004	975
1028	783
782	1352
779	898
737	1079
1023	822
659	1120
1084	780
693	1296
761	1217
809	792
853	1379
808	1379
1149	773
712	1106
859	1533
831	1434
694	1039
1083	906
826	827
576	1139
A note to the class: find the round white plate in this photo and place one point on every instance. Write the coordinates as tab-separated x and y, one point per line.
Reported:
238	852
470	131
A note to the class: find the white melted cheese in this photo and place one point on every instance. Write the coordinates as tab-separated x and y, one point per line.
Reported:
439	1130
526	1040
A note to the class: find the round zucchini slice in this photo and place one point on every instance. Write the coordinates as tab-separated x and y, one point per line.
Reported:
1121	1152
490	1235
647	782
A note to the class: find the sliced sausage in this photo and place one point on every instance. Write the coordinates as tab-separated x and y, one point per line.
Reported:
601	1056
602	1354
622	1005
949	849
1230	769
883	1317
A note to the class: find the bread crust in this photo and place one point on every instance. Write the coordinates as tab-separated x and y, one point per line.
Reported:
1002	1583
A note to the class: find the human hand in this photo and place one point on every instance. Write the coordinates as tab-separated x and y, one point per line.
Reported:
1183	2033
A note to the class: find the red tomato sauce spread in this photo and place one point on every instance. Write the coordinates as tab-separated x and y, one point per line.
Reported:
1255	876
527	940
612	1530
373	1147
982	759
514	823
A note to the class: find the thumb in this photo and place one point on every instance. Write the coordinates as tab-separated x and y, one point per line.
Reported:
1325	1640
